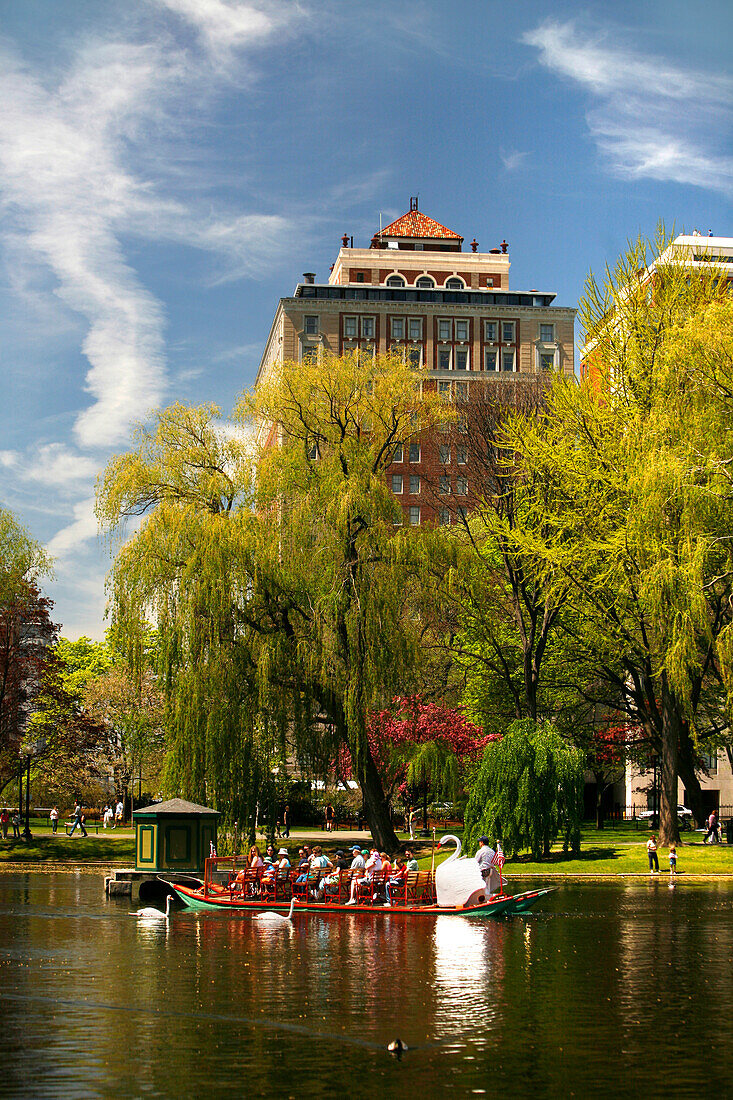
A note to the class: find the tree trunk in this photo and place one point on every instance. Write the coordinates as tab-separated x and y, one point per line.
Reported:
376	809
600	817
668	766
686	769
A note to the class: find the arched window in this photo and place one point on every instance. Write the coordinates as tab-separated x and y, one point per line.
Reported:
424	283
395	280
454	283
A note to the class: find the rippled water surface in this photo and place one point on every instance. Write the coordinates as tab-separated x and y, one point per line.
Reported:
608	990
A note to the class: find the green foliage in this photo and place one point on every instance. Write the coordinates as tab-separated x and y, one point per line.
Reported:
267	561
528	789
81	661
635	510
22	559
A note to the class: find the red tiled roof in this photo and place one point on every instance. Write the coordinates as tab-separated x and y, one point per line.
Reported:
416	224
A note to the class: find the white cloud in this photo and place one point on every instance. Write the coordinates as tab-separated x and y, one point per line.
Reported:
71	195
514	160
83	528
226	25
651	119
57	466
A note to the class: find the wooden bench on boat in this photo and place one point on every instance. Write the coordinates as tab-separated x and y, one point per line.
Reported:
233	877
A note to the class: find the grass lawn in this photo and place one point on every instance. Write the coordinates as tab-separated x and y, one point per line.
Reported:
63	849
621	850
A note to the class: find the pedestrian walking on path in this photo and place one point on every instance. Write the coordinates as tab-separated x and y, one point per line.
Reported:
78	820
711	835
54	819
651	851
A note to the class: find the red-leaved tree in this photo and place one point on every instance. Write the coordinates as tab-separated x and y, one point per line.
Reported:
420	746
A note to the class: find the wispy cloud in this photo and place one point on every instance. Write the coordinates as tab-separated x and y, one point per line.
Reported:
513	160
224	26
72	195
650	119
83	528
53	465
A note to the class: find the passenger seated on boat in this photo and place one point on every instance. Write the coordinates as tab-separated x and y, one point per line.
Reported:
394	885
303	867
410	861
283	863
331	884
386	863
371	867
320	862
255	859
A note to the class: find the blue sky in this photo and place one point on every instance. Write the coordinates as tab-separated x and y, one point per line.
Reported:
168	168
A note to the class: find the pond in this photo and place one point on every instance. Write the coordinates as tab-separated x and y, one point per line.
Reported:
608	990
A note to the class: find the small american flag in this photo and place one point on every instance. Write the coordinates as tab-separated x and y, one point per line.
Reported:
497	860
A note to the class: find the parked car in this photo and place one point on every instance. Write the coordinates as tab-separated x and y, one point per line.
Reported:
684	816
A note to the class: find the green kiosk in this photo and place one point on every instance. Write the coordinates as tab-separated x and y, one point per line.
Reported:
174	836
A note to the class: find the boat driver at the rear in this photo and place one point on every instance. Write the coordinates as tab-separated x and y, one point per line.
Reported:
485	858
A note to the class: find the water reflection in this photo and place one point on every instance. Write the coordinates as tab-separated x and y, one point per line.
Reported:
609	984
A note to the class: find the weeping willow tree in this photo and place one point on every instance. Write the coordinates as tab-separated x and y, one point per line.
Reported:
269	559
527	790
637	527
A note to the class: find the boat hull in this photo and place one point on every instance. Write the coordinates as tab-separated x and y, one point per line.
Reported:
499	906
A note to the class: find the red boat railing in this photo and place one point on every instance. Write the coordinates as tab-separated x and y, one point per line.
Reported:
232	876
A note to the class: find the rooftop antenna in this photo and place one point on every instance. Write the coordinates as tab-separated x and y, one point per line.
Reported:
380	223
413	201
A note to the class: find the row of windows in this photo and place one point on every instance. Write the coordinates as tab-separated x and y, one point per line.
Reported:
444	516
414	452
450	358
414	482
411	328
426	282
345	293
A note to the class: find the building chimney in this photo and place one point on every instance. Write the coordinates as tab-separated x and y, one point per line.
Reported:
504	247
345	240
309	276
474	245
413	202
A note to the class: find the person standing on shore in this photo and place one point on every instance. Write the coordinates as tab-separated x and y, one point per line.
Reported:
286	822
672	860
54	819
651	851
4	821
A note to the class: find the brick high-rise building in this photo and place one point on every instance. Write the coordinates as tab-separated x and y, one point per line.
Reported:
415	289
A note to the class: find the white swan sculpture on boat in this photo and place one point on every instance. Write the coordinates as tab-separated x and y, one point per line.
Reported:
458	882
275	918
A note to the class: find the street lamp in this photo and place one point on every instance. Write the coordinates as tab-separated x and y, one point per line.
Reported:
35	748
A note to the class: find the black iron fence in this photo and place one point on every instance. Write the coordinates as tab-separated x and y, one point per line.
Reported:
642	816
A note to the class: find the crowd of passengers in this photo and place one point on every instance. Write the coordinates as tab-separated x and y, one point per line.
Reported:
363	863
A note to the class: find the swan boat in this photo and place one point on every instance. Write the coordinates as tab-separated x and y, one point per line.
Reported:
455	888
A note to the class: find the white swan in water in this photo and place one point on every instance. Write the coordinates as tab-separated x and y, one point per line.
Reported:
275	918
458	882
149	913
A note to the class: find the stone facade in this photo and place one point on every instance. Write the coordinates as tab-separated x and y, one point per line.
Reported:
446	310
